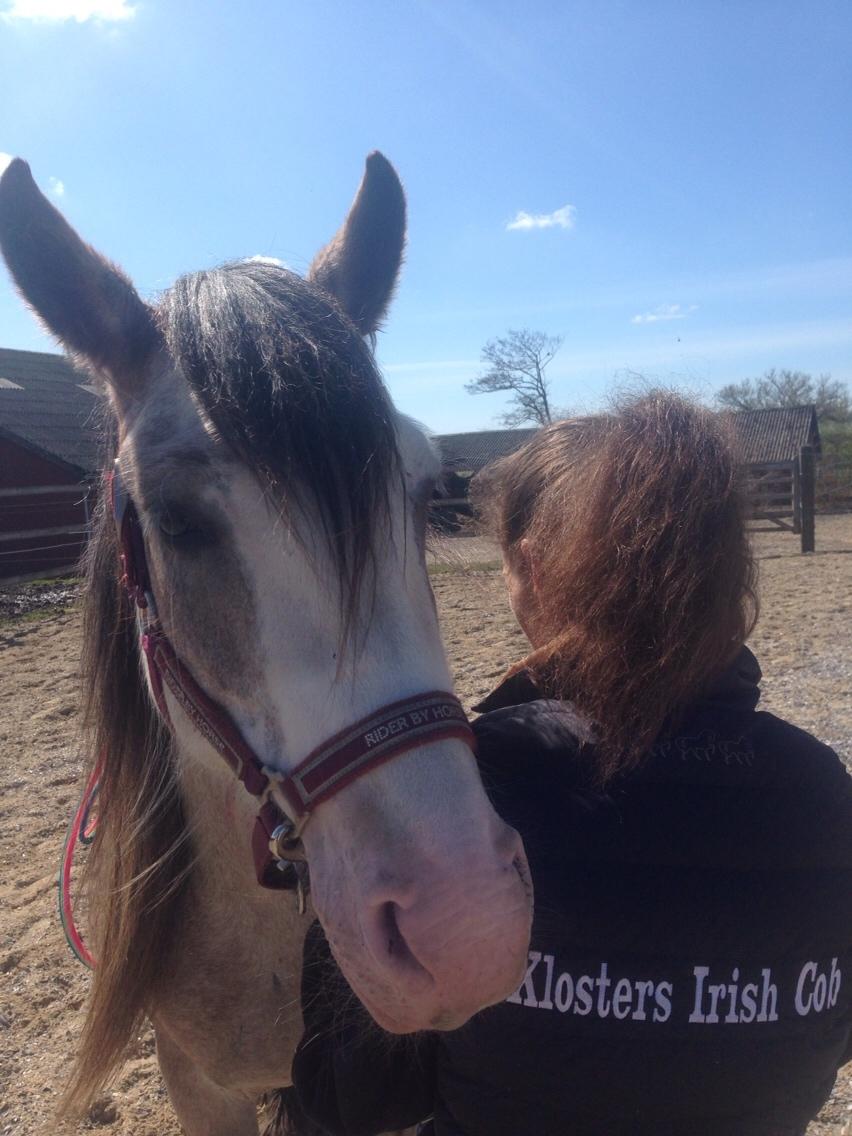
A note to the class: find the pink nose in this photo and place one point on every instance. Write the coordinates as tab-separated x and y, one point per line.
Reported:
455	937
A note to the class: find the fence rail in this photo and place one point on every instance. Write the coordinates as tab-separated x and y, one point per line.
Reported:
834	486
43	529
772	495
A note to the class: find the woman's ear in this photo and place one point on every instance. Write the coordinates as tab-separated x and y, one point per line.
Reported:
531	566
521	575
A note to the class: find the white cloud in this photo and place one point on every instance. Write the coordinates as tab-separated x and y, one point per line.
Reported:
258	258
5	159
563	218
57	187
58	11
665	312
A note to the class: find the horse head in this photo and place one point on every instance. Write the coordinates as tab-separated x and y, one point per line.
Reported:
282	503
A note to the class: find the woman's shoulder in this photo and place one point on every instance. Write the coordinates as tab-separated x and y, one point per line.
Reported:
546	726
534	760
533	755
800	757
809	778
517	715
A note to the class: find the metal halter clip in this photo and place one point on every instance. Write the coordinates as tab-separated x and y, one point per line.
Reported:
283	841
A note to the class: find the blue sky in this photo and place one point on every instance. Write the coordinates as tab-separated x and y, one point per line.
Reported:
685	169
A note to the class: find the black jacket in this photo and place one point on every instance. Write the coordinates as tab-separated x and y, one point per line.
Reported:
690	970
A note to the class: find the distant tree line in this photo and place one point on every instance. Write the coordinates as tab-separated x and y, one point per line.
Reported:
831	397
782	388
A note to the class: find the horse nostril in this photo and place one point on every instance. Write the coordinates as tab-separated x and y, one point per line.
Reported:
391	951
395	943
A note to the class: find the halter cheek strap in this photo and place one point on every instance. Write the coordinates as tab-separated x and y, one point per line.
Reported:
286	799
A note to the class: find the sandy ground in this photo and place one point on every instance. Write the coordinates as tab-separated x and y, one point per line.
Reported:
802	642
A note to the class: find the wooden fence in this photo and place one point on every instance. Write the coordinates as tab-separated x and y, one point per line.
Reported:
783	497
773	495
834	486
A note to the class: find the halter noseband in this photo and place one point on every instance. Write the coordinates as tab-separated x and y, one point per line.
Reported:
287	800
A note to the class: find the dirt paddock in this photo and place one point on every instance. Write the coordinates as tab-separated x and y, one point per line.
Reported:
802	641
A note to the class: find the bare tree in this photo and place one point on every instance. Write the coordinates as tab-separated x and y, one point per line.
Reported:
790	388
517	363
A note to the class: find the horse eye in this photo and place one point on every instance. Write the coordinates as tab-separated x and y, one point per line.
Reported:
175	525
186	529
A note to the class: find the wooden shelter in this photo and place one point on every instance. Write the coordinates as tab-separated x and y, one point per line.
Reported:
48	462
777	451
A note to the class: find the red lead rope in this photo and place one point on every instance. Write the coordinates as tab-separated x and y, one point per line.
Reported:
81	830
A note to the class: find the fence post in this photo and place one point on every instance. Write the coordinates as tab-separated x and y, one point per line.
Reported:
807	498
797	498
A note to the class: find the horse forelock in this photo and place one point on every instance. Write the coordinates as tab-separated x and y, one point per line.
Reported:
291	388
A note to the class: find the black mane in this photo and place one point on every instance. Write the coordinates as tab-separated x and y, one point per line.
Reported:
293	390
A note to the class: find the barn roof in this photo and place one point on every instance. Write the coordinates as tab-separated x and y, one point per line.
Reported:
50	407
766	437
476	450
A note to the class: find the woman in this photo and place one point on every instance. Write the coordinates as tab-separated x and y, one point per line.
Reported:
690	968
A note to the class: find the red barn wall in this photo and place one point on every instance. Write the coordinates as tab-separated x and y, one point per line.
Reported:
59	504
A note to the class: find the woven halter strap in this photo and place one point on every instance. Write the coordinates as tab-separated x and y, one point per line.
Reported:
287	800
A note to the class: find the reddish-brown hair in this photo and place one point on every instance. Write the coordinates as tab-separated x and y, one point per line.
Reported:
645	579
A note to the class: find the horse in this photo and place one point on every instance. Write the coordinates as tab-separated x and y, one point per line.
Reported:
265	684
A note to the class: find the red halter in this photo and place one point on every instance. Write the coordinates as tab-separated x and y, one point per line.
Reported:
287	799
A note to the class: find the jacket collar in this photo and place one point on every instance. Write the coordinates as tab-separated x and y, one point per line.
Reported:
737	686
515	690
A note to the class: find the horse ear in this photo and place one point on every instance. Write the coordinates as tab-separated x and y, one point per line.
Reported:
83	299
359	267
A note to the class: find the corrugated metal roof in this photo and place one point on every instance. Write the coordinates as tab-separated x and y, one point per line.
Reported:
476	450
766	437
54	412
